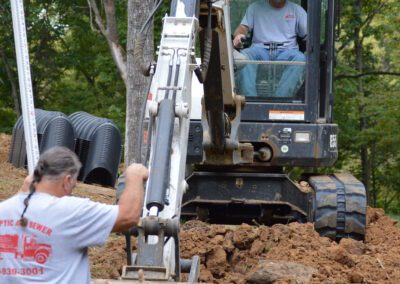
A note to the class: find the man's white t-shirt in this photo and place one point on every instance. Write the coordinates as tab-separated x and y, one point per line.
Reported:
53	247
270	24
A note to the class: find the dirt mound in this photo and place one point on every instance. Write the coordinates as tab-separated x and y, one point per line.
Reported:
292	253
232	255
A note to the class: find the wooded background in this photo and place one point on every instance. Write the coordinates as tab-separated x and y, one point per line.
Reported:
81	54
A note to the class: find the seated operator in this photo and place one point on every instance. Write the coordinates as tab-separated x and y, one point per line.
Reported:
275	24
46	232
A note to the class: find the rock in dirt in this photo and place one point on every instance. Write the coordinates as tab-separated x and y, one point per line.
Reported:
356	277
340	255
353	246
244	236
216	261
272	271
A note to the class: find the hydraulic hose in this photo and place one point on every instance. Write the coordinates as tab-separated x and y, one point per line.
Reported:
140	42
201	73
177	71
149	128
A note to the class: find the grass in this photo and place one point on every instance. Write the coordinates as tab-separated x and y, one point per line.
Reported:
395	217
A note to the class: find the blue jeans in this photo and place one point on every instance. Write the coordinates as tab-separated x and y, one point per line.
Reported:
290	77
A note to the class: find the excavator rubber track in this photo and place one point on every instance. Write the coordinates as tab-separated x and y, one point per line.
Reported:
340	206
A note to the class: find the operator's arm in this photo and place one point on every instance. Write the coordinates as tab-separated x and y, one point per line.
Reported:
301	25
131	201
240	33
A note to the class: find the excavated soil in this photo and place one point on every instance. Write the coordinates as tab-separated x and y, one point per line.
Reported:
292	253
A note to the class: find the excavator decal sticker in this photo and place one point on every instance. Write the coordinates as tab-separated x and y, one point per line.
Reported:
24	247
286	115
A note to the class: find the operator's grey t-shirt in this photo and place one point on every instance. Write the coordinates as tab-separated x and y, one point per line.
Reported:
270	24
53	247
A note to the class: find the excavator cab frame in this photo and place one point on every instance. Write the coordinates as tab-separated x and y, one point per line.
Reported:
298	120
311	101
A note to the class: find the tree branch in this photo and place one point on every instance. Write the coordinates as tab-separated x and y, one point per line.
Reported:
97	17
110	32
372	73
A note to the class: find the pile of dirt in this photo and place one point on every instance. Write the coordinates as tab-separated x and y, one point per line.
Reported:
292	253
234	255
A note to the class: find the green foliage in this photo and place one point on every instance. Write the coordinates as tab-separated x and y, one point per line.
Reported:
395	217
71	65
7	118
376	98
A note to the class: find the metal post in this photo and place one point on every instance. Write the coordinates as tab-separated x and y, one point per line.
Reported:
25	83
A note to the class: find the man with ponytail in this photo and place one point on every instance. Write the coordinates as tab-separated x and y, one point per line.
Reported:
45	232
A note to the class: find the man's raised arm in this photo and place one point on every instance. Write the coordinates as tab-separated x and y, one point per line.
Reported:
131	201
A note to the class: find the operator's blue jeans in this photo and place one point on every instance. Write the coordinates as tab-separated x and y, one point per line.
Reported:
290	77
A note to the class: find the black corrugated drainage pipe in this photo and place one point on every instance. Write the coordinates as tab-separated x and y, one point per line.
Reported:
99	148
53	129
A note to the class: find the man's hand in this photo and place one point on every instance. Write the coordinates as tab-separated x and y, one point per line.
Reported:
27	183
238	40
137	170
240	35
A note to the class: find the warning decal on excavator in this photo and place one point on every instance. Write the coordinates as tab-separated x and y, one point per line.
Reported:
286	115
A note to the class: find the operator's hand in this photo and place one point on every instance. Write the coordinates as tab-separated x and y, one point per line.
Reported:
137	170
131	202
27	183
238	40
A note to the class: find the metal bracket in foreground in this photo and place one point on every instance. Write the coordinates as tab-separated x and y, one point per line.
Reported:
148	263
145	273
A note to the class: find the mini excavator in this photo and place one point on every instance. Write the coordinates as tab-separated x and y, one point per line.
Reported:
219	156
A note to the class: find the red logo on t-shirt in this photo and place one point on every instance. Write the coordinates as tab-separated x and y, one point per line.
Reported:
25	247
290	16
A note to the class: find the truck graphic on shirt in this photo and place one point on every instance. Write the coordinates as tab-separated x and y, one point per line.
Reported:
25	247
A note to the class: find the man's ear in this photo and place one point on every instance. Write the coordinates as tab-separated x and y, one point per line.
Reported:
67	182
66	178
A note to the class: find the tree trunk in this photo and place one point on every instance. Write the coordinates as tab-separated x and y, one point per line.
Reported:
358	46
11	79
137	84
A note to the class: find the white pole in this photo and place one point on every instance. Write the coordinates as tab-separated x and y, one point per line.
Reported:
25	83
